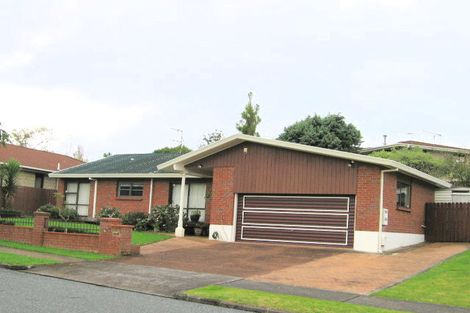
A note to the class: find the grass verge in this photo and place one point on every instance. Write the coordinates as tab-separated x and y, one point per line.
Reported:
142	238
281	302
22	260
89	256
447	283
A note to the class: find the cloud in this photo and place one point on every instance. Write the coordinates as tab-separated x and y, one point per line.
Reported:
15	59
74	118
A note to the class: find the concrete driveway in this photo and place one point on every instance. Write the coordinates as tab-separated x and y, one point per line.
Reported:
330	269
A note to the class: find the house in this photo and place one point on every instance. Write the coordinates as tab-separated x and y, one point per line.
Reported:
35	187
262	190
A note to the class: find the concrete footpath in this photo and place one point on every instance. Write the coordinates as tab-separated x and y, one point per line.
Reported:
172	283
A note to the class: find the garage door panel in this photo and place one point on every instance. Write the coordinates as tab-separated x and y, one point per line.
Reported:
295	219
317	220
300	235
340	204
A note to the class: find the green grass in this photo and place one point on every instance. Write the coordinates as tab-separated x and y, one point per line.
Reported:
282	302
22	260
447	283
142	238
89	256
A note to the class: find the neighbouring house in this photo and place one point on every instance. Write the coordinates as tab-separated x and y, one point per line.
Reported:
35	187
456	194
262	190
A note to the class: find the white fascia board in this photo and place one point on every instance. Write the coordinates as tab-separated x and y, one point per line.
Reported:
33	168
231	141
126	175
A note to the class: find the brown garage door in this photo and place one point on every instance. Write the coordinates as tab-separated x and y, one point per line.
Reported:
316	220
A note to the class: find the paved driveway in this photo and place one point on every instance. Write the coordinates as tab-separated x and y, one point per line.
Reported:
331	269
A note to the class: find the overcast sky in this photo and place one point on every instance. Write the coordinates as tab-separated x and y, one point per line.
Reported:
117	76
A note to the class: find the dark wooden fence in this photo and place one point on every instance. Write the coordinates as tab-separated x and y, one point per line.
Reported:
28	199
447	222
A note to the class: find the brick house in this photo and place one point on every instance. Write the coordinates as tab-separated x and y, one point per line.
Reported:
35	187
255	189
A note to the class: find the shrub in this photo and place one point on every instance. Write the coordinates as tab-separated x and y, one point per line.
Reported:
62	229
51	209
132	218
10	213
110	212
67	214
164	218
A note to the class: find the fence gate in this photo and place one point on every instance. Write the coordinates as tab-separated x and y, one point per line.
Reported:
447	222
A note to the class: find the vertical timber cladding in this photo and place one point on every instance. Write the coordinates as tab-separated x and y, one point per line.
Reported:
316	220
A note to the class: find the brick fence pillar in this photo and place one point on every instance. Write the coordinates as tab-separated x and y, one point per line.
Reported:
115	238
39	227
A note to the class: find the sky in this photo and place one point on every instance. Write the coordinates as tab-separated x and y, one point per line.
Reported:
121	76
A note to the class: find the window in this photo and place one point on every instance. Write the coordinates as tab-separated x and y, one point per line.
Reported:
194	198
77	197
403	194
127	189
39	181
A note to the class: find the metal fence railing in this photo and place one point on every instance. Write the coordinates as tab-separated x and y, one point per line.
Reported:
57	225
17	221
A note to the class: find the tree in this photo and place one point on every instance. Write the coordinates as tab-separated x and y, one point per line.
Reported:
209	138
107	154
178	149
4	137
250	118
31	137
458	172
79	154
8	174
330	132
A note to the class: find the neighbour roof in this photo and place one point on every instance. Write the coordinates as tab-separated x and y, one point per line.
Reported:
179	162
37	159
419	144
121	165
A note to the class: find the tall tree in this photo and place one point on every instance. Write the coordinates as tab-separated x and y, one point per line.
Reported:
212	137
330	132
250	118
31	137
79	154
4	137
8	174
178	149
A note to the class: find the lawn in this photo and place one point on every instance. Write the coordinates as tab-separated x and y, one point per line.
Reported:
282	302
142	238
89	256
447	283
22	260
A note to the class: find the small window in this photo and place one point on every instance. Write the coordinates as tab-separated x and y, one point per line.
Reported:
403	194
130	189
39	181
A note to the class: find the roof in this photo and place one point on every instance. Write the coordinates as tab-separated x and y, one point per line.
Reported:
419	144
179	162
37	159
122	165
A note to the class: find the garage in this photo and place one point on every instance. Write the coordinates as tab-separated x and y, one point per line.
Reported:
299	219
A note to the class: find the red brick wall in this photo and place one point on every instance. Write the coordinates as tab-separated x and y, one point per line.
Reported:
161	192
221	212
84	242
403	221
16	233
367	198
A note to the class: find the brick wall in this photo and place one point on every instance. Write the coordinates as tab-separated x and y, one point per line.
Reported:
367	198
84	242
16	233
221	212
161	192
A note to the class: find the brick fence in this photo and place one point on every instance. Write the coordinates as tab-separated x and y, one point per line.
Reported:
113	238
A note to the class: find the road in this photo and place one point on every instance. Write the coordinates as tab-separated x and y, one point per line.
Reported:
22	292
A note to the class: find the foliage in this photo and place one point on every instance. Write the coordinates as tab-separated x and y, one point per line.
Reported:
4	137
330	132
12	259
79	154
8	173
182	149
209	138
110	212
31	137
132	218
250	118
164	218
142	238
458	172
276	302
195	216
51	209
447	283
10	213
84	255
7	222
416	158
107	154
67	214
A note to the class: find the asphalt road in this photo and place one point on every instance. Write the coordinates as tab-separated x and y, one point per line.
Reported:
23	292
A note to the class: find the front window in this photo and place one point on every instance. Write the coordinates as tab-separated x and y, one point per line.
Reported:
403	194
129	189
194	198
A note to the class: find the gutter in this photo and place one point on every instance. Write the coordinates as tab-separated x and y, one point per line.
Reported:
381	209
